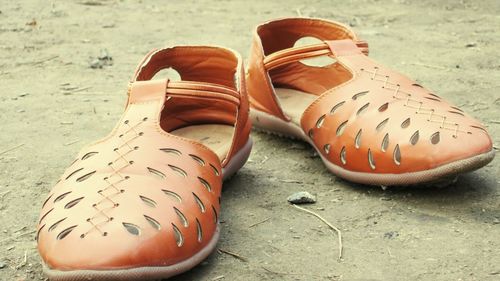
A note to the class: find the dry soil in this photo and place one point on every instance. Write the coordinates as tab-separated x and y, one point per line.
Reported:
52	103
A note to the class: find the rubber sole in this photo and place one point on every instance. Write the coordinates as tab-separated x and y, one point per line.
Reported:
271	124
154	272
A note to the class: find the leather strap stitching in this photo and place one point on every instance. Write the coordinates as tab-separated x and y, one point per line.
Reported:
103	212
433	117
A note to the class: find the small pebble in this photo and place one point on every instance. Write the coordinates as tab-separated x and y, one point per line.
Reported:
104	55
104	59
95	64
302	197
391	234
471	45
2	265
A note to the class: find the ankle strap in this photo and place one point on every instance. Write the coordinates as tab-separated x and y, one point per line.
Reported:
191	89
141	91
294	54
213	77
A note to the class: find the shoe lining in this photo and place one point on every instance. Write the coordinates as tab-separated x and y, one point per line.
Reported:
294	102
217	137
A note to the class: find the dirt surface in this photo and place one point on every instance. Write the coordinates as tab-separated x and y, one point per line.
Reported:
52	103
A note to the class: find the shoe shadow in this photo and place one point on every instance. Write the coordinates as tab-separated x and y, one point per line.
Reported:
199	272
468	188
471	197
234	190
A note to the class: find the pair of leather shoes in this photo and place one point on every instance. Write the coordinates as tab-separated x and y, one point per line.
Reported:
144	202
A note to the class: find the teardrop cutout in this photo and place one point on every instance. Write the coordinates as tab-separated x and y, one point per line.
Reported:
357	140
85	177
216	172
182	217
341	128
406	123
362	109
216	216
88	155
65	232
178	170
343	155
38	232
435	138
436	96
173	195
205	184
397	155
148	201
73	173
199	230
132	228
414	138
456	112
371	161
73	203
199	202
53	226
198	159
154	223
358	95
61	197
171	151
320	121
179	239
383	107
385	143
45	215
332	111
47	200
326	148
432	98
156	173
382	124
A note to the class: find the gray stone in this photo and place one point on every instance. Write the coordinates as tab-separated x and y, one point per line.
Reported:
391	234
302	197
96	63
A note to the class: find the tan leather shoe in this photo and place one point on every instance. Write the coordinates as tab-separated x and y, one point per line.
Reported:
143	203
368	123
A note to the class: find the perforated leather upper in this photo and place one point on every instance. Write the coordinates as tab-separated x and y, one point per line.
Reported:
366	118
141	196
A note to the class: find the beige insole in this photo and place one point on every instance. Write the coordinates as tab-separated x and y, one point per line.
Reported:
217	137
294	102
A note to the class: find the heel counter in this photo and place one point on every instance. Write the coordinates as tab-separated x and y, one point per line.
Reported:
259	86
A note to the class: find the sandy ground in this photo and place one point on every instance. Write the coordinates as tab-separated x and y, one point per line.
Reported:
52	103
